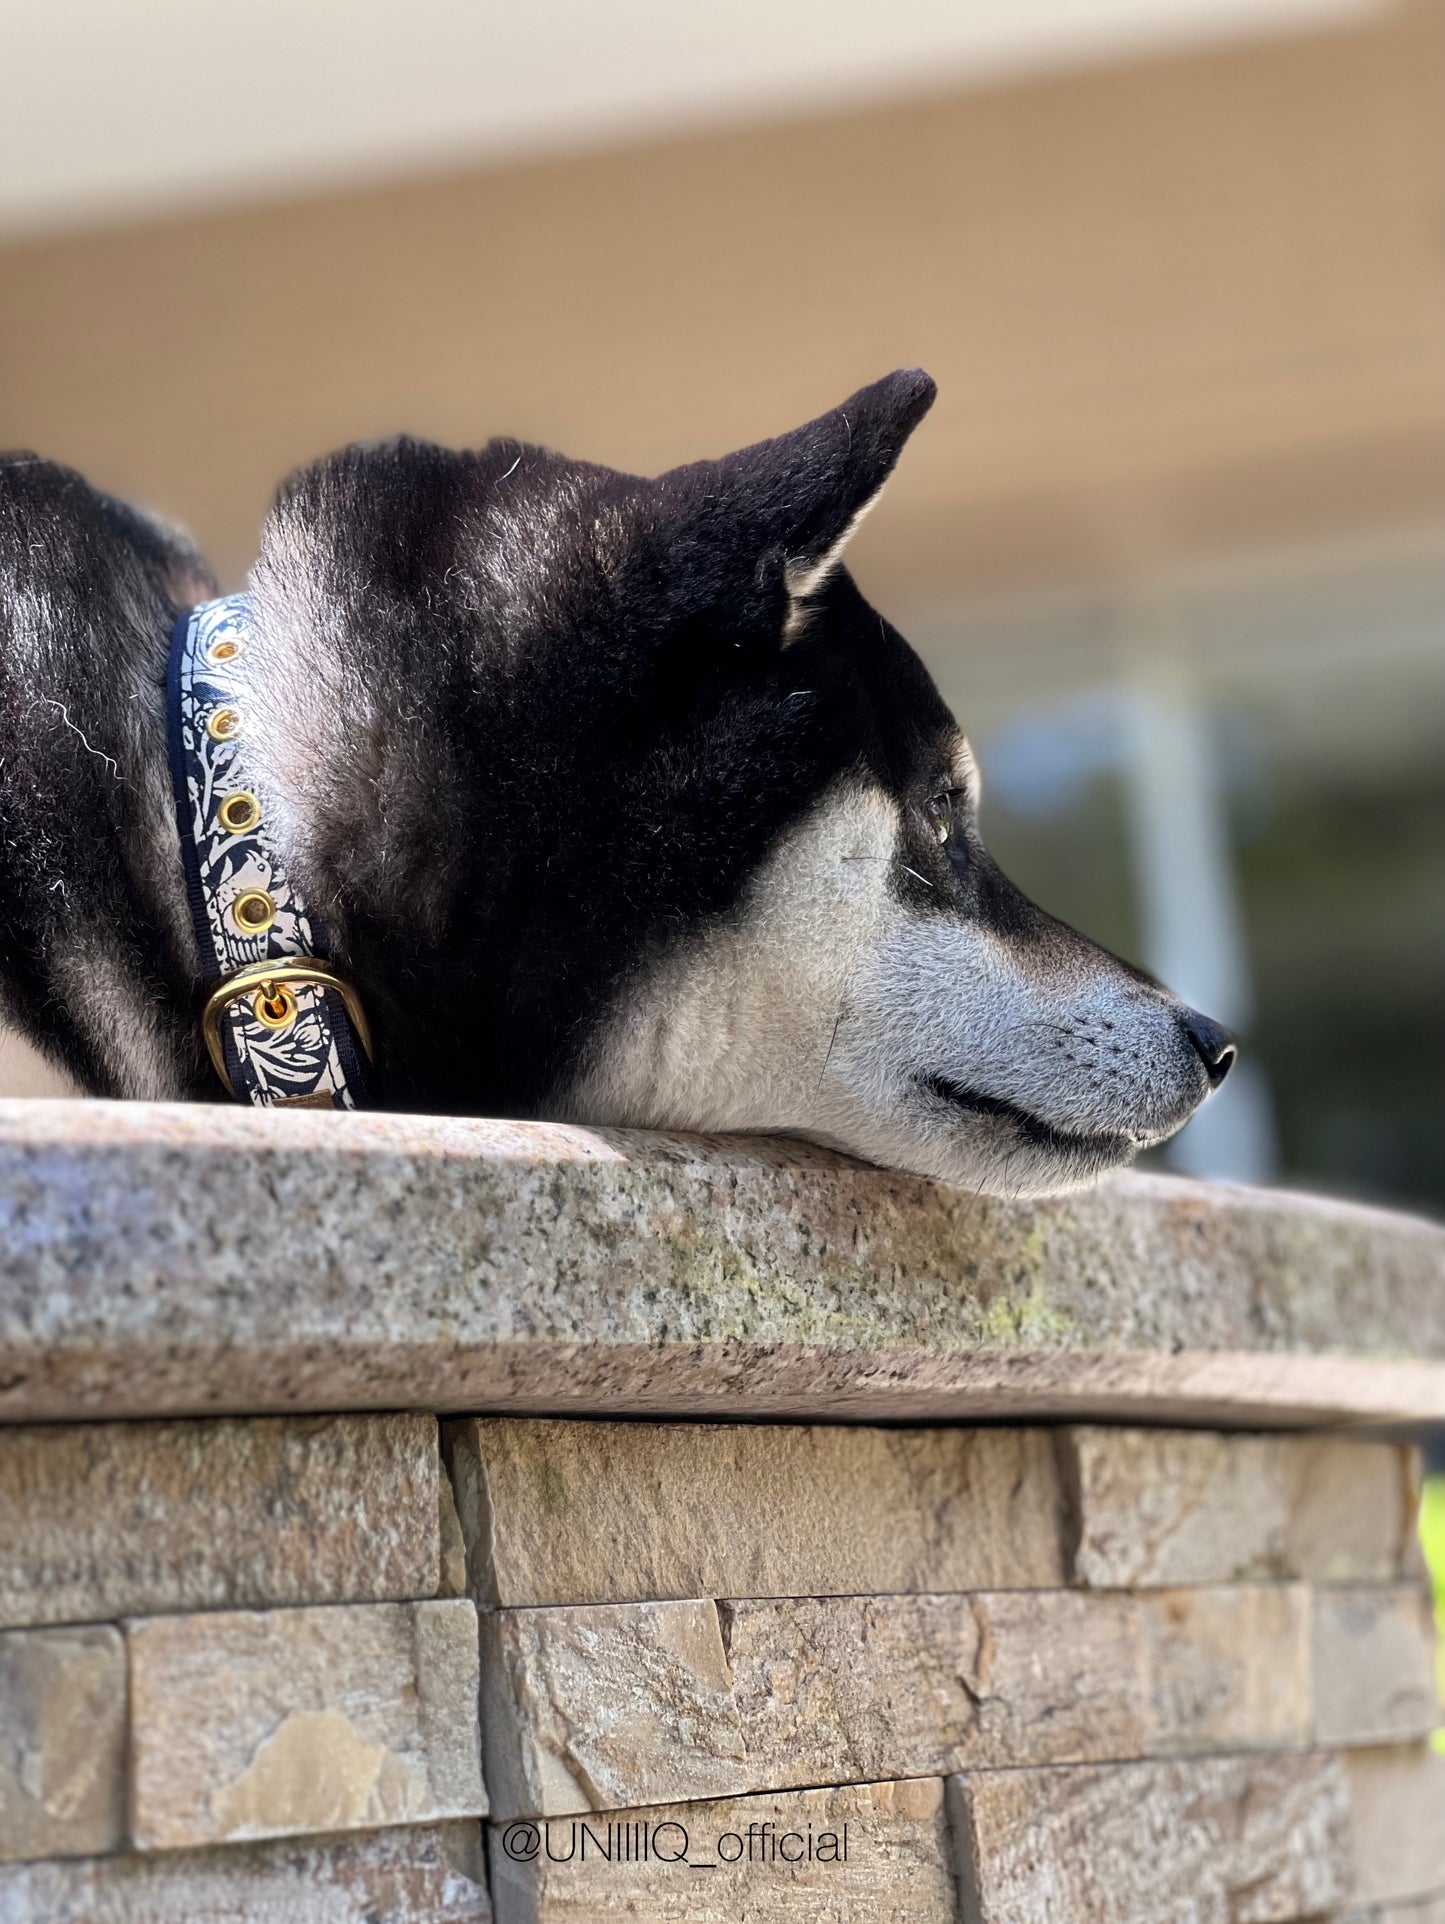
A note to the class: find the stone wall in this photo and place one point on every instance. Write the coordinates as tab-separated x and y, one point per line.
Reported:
998	1675
697	1625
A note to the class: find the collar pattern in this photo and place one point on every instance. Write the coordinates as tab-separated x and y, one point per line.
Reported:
282	1042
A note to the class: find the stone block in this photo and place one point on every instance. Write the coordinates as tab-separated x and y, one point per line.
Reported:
1219	1840
609	1706
1397	1804
869	1854
1374	1665
431	1874
62	1741
563	1513
830	1688
274	1723
1224	1668
125	1519
1164	1507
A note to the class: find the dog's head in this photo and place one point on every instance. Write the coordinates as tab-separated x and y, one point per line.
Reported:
877	983
708	837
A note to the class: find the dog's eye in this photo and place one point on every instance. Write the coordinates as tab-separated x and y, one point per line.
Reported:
938	811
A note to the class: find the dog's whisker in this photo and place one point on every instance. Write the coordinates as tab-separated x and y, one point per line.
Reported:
837	1022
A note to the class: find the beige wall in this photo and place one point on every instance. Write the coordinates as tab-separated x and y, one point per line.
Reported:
1174	307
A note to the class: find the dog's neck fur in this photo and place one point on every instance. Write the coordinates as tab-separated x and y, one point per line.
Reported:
480	743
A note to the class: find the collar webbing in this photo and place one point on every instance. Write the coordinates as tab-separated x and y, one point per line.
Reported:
295	1033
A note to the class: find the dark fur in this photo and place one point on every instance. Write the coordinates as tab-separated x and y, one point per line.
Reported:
566	726
88	590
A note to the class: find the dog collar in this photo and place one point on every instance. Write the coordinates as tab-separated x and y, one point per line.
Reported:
281	1024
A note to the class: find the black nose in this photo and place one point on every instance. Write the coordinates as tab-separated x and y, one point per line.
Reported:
1216	1046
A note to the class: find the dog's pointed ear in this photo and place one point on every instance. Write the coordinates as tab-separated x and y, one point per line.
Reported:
785	508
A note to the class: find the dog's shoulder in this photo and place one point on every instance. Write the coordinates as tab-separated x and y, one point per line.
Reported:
89	590
89	587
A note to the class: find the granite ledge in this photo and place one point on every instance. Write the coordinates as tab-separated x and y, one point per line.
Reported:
159	1259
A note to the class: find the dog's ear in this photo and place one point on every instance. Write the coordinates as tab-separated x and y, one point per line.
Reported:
782	511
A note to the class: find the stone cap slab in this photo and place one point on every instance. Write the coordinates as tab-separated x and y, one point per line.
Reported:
176	1260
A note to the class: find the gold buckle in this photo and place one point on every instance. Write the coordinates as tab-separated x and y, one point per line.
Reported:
265	979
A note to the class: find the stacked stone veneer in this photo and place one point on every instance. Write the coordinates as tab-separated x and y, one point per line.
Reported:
237	1680
1092	1675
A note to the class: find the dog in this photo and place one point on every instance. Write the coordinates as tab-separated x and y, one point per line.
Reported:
619	803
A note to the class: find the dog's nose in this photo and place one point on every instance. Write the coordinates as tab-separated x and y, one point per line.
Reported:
1216	1047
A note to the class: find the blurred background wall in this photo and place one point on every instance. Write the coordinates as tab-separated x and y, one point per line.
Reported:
1173	540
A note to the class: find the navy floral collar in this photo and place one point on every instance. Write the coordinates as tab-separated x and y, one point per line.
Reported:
282	1025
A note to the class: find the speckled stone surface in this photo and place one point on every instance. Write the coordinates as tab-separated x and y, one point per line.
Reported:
173	1260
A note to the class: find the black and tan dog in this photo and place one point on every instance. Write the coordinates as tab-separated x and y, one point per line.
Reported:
619	802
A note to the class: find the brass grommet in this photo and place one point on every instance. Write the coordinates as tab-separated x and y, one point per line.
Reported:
239	811
253	912
226	649
305	970
224	724
274	1006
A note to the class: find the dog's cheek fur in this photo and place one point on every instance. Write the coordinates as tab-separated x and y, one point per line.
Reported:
732	1029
